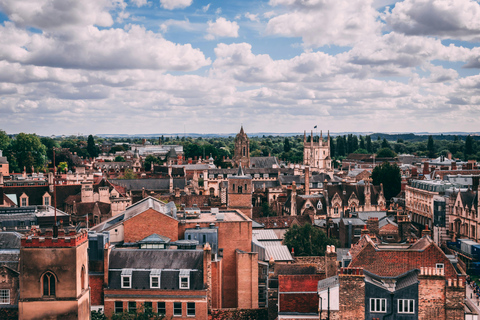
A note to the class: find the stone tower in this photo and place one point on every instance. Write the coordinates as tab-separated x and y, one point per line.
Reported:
242	149
316	155
54	275
239	193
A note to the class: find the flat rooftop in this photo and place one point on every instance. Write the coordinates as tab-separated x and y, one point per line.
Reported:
222	215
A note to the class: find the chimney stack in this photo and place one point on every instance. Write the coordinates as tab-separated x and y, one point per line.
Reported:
307	180
330	262
426	232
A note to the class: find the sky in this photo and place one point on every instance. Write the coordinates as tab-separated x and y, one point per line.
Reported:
169	66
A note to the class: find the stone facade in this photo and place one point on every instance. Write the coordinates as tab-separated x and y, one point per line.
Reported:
242	150
317	154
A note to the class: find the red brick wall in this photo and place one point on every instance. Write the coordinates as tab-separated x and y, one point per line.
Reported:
352	297
431	298
96	289
299	302
148	223
247	280
217	285
299	283
232	235
199	297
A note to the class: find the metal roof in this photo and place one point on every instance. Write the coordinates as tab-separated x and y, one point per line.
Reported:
328	283
279	253
264	234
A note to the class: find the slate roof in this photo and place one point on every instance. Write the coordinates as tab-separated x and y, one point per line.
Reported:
469	199
393	284
10	240
263	162
149	184
168	209
154	238
328	283
35	193
359	191
283	222
84	208
142	262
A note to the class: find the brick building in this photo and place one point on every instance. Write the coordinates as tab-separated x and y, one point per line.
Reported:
54	275
242	149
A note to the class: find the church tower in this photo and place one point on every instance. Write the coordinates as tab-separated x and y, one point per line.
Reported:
242	149
54	275
240	190
316	154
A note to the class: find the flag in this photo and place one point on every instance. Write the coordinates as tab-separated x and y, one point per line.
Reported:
315	127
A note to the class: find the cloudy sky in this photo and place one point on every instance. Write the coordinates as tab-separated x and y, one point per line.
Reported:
163	66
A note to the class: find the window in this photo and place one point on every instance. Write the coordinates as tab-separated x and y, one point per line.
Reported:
191	309
161	309
5	297
148	307
240	189
439	266
126	278
184	282
132	306
177	309
378	305
48	284
118	306
24	202
46	201
406	306
155	275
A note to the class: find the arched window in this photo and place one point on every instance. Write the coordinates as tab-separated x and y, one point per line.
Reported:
49	282
82	278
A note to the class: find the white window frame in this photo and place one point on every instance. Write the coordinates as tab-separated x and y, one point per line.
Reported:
184	274
181	310
439	266
4	296
406	303
190	309
180	282
155	273
381	303
129	278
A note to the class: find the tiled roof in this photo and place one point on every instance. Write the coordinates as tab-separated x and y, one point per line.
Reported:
263	162
283	222
394	262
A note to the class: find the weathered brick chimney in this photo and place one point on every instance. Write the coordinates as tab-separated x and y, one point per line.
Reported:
372	226
330	262
307	180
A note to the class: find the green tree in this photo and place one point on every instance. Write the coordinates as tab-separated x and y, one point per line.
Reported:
149	160
361	151
332	147
63	166
128	174
28	152
4	140
119	159
386	153
390	176
92	149
307	240
368	141
385	144
286	145
468	146
267	210
96	315
362	143
431	147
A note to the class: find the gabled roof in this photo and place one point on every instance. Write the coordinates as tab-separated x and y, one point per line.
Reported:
394	261
154	238
263	162
168	209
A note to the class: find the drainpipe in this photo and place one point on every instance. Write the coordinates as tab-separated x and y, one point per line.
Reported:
391	302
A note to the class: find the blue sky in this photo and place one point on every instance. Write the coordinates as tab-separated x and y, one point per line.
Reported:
143	66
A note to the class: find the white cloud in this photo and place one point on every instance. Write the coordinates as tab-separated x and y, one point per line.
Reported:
133	48
324	22
251	16
222	28
175	4
205	8
454	19
60	14
139	3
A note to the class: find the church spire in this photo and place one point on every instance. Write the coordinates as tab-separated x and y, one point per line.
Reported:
240	170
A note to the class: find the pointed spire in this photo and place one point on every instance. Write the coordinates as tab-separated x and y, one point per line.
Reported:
304	136
240	170
241	130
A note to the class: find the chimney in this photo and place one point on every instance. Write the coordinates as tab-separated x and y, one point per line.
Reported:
307	180
372	226
426	168
293	200
106	262
427	232
207	273
364	231
453	164
1	179
330	262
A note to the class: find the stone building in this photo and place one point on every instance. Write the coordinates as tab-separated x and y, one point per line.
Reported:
240	190
316	154
242	149
54	275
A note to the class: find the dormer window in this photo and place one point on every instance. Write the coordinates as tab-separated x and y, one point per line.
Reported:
155	276
184	279
126	278
319	205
